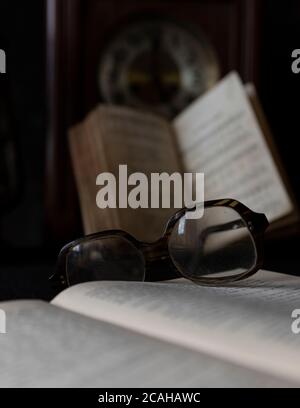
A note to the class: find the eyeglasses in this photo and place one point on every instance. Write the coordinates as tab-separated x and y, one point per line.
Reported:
223	246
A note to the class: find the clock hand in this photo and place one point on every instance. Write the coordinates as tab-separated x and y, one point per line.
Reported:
156	51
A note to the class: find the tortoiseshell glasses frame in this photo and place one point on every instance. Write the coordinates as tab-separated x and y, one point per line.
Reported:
159	264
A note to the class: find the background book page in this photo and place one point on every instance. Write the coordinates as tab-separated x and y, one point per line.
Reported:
116	136
88	160
219	135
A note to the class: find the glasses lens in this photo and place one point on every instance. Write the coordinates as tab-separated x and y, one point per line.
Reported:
217	245
106	258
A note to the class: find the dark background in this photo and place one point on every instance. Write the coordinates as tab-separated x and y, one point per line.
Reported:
27	256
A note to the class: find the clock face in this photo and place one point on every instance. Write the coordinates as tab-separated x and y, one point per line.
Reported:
158	65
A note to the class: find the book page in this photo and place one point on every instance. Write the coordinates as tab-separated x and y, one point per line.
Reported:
219	135
248	322
88	161
290	222
112	136
46	346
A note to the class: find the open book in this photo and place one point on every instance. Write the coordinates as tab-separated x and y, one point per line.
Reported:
175	333
223	134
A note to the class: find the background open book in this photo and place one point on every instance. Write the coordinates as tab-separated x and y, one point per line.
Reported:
138	334
223	134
